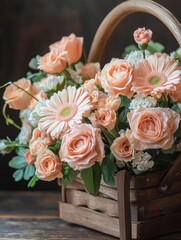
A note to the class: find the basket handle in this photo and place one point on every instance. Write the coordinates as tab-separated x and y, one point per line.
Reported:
124	9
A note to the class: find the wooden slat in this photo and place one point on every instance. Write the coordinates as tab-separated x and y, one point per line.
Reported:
152	193
101	204
153	208
92	219
161	225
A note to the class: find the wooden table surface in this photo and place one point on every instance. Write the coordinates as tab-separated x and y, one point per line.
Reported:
34	215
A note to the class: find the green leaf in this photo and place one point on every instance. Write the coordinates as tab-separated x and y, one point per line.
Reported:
125	102
129	49
33	181
34	63
36	77
29	172
123	116
20	151
69	176
92	178
109	169
18	162
154	47
18	175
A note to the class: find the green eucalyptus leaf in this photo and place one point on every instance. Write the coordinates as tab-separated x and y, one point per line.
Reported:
34	62
129	49
29	172
20	151
154	47
18	162
109	169
92	178
33	181
18	175
68	176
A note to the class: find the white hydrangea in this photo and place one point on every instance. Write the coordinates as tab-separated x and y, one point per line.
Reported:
142	161
25	114
25	134
137	56
50	82
35	114
3	146
142	100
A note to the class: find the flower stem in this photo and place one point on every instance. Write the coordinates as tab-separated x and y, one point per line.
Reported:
8	119
26	92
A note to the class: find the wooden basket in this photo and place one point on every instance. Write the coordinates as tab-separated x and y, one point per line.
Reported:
142	206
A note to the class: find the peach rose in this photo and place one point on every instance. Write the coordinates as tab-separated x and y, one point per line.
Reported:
89	70
106	118
72	45
116	77
30	159
175	95
40	95
17	98
142	36
90	85
36	146
39	134
52	62
82	147
110	102
153	128
48	165
122	149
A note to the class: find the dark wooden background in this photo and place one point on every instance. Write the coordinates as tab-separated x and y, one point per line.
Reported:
28	27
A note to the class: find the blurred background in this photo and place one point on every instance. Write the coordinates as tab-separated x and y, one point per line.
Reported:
28	27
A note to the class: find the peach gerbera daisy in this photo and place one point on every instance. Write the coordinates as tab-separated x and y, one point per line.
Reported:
64	110
157	74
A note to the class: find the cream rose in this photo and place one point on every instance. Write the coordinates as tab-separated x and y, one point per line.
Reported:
16	97
82	147
72	45
116	77
153	128
36	146
48	165
122	149
52	62
142	36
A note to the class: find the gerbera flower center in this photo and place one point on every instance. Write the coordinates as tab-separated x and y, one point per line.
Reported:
155	81
67	112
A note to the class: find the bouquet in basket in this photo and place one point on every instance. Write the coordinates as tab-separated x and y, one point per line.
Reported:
80	119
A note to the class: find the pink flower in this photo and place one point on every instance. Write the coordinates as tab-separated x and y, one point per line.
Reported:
64	110
142	36
48	165
153	128
122	149
53	62
89	70
82	147
116	77
72	45
104	117
157	74
16	97
29	157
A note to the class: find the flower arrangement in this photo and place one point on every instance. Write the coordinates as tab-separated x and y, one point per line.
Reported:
77	118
